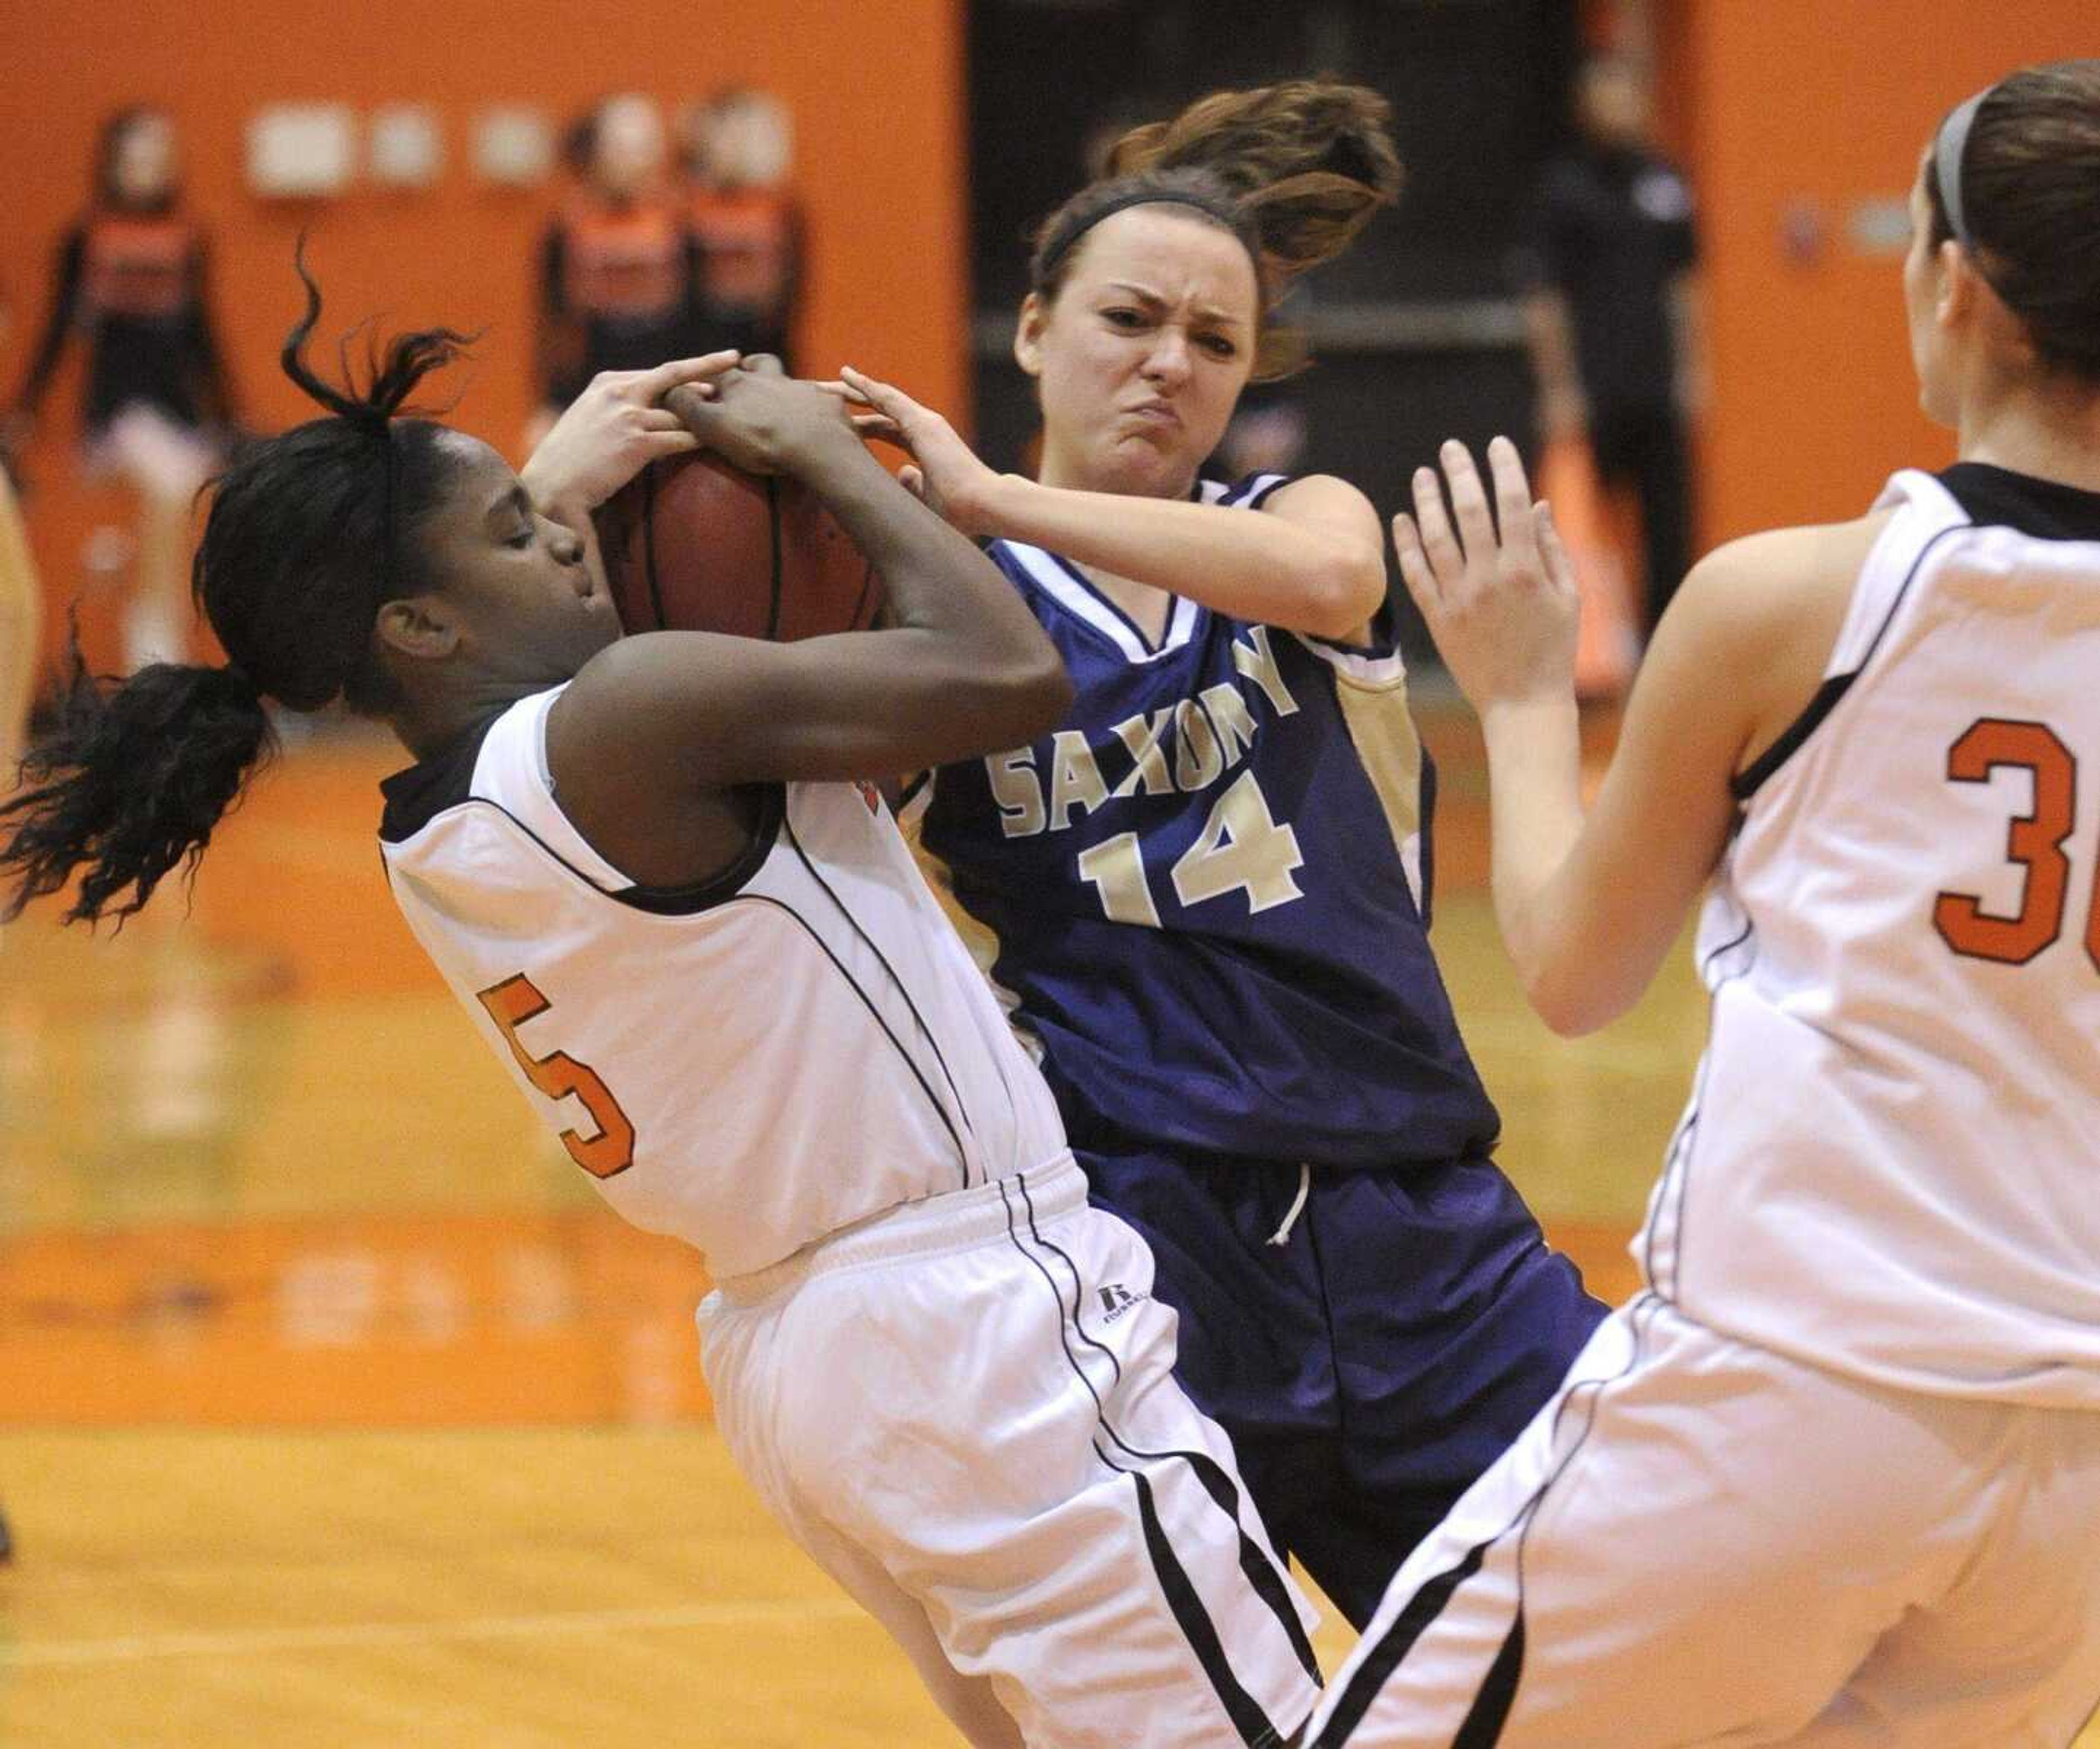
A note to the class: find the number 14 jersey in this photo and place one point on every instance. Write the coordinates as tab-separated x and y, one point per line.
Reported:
1206	897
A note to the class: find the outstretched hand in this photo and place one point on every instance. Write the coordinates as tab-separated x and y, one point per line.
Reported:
944	471
615	428
1501	604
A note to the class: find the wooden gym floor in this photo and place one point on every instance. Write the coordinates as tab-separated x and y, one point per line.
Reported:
334	1411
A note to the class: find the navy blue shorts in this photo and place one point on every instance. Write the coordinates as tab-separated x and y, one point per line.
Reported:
1370	1367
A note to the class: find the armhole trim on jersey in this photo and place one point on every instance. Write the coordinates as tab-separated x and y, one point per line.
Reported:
669	901
1752	777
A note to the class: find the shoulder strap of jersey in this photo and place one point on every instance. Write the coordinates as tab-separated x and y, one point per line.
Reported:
511	773
1926	514
1925	511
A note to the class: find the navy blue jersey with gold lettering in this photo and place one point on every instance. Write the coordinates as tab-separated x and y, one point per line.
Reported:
1206	897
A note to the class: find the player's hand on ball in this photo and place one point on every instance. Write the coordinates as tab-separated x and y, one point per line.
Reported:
761	420
945	471
616	427
1501	605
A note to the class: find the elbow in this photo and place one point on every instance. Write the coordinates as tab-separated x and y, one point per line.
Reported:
1029	700
1046	692
1344	594
1572	1005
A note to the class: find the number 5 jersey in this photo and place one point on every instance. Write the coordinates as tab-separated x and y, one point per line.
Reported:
751	1064
1205	897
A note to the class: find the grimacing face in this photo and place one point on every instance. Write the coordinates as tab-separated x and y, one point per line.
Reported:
1141	359
512	583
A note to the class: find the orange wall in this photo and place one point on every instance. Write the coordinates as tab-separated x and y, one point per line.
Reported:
875	84
1828	102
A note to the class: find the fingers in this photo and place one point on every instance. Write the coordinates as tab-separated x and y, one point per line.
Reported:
845	391
913	480
654	384
764	365
1559	563
1469	499
1434	525
1414	568
880	396
1512	499
880	427
693	410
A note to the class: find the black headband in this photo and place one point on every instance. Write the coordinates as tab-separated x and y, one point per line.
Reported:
1948	151
1136	197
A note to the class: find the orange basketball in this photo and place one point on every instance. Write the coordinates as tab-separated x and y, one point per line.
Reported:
694	544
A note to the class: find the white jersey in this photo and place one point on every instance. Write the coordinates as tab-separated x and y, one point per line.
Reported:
752	1065
1891	1162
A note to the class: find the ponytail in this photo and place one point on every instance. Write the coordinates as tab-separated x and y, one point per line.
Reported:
131	784
310	534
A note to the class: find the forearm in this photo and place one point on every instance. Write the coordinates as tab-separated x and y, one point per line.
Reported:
1246	564
1551	333
1535	778
935	579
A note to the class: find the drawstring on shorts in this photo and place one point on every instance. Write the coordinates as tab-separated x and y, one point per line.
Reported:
1282	1236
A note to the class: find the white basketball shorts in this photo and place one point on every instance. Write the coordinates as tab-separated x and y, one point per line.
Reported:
965	1411
1699	1543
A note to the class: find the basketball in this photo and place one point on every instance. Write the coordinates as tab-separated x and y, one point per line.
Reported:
692	544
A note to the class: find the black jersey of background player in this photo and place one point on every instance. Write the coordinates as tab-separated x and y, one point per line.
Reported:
1611	229
132	285
620	280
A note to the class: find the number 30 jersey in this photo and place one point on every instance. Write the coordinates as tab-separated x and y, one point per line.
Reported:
1891	1162
1205	897
751	1064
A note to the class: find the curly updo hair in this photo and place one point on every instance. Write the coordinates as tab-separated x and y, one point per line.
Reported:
1294	170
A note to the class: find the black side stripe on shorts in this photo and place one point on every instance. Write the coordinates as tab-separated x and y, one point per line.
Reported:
1248	1719
1485	1720
1253	1725
1261	1571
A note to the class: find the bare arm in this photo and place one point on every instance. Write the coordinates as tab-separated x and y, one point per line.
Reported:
1589	904
963	669
1311	560
1688	322
1564	409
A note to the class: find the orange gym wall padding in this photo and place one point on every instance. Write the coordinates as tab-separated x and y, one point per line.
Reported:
1818	105
876	88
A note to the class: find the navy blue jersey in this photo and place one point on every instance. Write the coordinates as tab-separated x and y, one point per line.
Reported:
1206	896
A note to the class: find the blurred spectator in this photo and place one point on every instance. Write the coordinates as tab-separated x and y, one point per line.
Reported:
617	267
739	153
1606	264
130	281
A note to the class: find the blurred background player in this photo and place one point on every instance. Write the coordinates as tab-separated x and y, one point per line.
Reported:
156	411
616	265
1608	263
747	227
1833	1479
1208	894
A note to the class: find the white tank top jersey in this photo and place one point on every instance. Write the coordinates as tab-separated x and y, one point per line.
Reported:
751	1065
1891	1162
